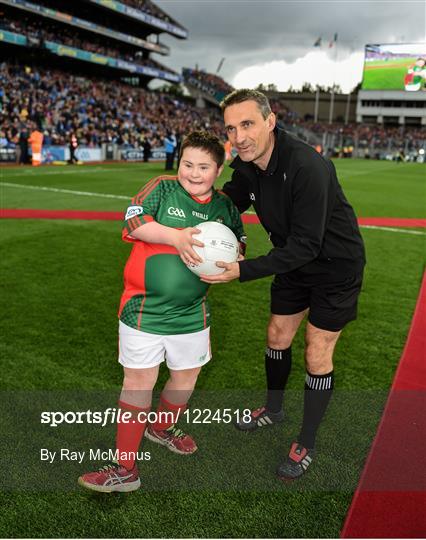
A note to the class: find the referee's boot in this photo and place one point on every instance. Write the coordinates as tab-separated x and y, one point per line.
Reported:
257	418
297	463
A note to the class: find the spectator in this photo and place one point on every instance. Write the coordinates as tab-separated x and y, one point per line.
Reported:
73	145
170	149
3	139
23	146
146	145
177	149
36	141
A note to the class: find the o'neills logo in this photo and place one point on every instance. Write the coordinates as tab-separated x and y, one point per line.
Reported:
133	211
200	215
176	212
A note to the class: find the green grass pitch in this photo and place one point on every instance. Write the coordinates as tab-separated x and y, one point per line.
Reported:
382	75
61	282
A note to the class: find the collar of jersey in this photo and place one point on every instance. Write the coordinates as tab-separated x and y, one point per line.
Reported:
196	199
199	201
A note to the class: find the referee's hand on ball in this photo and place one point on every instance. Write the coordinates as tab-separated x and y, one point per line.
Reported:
232	271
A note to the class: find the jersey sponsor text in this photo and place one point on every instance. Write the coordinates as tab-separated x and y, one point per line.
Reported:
200	215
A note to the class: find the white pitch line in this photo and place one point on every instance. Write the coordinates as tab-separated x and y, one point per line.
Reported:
392	229
69	191
34	172
128	197
350	173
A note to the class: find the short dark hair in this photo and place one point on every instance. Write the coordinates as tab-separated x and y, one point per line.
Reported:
245	94
205	141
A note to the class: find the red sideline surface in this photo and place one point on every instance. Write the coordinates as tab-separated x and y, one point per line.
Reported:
32	213
392	222
390	500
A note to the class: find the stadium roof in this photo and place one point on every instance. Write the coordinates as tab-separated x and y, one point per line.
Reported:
172	27
87	25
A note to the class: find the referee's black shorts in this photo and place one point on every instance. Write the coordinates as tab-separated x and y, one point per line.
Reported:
332	301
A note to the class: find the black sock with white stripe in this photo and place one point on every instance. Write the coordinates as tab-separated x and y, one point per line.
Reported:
318	390
277	367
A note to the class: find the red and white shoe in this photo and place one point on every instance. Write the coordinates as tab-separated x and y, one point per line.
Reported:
173	438
259	417
297	462
111	477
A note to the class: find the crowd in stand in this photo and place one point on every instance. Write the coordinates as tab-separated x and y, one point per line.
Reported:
372	136
71	37
96	111
360	135
148	7
283	113
210	80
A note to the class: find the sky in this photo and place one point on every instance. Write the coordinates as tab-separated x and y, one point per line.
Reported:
271	41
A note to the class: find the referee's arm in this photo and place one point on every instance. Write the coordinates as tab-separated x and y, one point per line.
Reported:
312	196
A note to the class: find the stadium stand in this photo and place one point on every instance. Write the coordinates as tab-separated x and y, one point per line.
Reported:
210	86
148	7
72	37
360	140
77	34
143	15
101	111
376	135
61	75
98	111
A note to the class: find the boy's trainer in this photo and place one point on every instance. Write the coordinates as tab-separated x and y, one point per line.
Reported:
111	477
173	438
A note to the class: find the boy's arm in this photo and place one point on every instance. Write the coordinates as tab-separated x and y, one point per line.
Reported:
140	224
181	239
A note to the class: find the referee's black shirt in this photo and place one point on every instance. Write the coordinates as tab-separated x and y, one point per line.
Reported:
301	205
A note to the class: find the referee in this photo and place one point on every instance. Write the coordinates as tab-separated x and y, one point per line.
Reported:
317	259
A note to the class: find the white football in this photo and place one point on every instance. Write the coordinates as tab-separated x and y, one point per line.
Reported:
220	244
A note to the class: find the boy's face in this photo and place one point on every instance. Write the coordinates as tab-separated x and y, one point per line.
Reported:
198	172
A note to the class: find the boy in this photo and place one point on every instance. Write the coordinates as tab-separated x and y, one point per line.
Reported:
164	311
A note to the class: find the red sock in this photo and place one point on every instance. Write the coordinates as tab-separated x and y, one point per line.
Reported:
165	421
130	433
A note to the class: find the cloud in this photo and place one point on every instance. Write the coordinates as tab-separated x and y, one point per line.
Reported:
252	34
316	67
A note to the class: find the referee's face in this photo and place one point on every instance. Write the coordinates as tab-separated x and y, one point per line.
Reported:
250	134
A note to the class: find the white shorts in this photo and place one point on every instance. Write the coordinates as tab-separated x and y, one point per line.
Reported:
139	350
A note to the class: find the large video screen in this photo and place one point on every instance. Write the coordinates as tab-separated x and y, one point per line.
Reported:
395	67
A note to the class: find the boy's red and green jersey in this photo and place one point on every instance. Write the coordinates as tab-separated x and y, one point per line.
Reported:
161	295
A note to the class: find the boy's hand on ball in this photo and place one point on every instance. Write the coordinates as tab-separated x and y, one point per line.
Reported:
232	271
184	242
